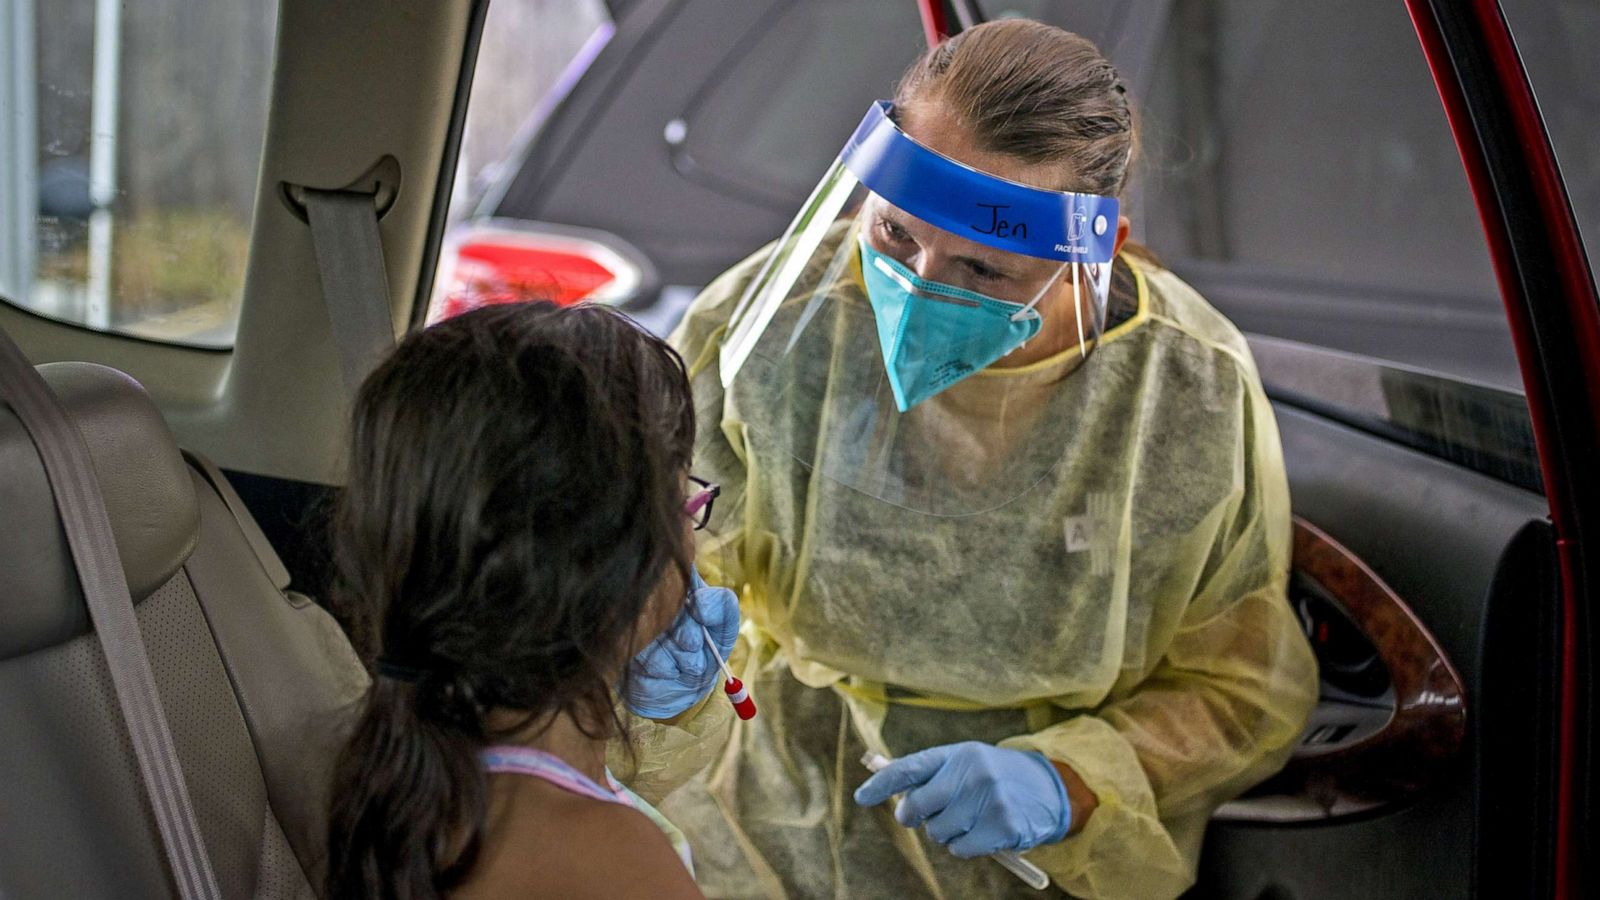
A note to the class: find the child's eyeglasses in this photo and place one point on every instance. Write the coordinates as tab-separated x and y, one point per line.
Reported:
698	507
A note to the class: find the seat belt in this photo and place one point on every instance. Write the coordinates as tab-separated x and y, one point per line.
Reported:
70	471
271	563
355	286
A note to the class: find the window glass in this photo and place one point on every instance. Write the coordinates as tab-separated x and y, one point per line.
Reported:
531	54
131	149
1558	40
1107	24
777	113
1299	170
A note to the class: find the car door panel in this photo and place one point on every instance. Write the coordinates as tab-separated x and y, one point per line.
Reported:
1439	535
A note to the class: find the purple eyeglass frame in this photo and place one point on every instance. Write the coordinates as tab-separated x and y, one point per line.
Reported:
698	506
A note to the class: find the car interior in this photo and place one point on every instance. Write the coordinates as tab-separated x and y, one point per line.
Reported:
1428	572
248	669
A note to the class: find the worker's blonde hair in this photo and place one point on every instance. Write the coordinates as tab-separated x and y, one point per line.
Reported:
1035	92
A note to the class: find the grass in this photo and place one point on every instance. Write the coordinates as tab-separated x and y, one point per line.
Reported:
163	261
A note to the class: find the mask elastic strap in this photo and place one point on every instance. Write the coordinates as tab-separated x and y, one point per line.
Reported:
1077	306
1022	313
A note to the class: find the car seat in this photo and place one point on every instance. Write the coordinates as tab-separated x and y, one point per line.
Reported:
257	682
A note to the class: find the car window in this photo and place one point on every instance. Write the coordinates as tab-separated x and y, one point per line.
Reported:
530	55
1298	169
132	143
761	129
1557	41
1298	161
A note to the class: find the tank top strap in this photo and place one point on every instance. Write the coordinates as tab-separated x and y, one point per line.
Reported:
513	760
549	767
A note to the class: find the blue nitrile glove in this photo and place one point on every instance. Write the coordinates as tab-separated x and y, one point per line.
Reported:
976	798
674	671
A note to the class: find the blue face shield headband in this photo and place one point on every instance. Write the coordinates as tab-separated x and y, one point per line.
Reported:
933	335
1002	214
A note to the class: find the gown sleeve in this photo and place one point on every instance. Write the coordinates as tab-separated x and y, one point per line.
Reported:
660	757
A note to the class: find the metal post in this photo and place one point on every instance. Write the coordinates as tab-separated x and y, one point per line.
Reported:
103	157
19	149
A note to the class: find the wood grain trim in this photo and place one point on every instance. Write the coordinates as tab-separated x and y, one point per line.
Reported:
1430	719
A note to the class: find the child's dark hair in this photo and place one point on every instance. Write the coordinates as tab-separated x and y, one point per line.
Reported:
514	503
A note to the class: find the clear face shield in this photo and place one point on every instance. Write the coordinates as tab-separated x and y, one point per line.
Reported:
872	342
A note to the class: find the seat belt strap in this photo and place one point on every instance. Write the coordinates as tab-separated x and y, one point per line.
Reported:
82	507
355	286
271	563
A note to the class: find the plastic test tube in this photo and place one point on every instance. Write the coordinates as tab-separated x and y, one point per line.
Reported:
744	705
1031	875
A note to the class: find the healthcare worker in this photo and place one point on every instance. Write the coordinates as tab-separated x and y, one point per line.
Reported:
1002	499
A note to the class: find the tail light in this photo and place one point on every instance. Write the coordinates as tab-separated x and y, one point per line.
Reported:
492	261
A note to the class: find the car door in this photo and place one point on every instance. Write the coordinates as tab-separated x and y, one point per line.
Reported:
1302	172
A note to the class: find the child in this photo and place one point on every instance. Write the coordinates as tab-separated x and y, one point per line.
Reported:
512	533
